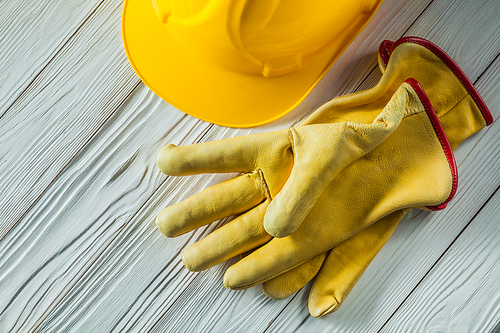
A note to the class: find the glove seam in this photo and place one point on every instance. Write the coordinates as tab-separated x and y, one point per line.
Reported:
445	146
264	185
291	138
331	308
454	105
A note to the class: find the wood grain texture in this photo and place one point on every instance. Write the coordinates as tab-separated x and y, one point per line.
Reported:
85	208
74	95
195	295
217	132
31	33
83	254
461	293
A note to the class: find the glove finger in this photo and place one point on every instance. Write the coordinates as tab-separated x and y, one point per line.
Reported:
347	257
292	281
322	151
242	234
274	258
347	262
231	197
283	254
238	154
341	269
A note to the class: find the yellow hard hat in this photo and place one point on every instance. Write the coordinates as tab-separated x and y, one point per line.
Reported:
238	63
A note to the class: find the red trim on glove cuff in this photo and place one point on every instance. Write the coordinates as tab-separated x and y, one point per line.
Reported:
442	138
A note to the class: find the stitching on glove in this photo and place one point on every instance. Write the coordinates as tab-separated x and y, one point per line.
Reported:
264	184
451	108
289	134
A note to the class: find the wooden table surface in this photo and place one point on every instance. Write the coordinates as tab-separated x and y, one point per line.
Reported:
79	189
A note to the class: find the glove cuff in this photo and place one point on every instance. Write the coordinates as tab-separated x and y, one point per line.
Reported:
469	115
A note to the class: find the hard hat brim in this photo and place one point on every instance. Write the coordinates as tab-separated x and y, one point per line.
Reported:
209	92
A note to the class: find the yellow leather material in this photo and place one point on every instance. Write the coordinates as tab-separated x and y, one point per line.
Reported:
242	233
293	280
319	151
363	108
346	263
408	169
200	209
460	117
340	268
270	157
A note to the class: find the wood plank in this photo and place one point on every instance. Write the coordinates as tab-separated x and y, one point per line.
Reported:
117	293
461	292
128	281
62	109
86	207
31	33
79	308
53	230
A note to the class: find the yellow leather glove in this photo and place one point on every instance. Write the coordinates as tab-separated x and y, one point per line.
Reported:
392	174
292	167
413	167
285	173
462	113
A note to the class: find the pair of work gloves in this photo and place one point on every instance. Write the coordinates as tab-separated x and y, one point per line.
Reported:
321	199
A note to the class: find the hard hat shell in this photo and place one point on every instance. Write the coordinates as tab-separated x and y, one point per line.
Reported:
238	63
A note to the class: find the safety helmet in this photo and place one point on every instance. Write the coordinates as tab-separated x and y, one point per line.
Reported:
238	63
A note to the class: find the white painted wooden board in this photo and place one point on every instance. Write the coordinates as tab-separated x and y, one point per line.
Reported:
85	208
375	43
55	230
69	99
461	293
31	34
83	254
